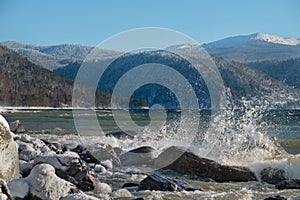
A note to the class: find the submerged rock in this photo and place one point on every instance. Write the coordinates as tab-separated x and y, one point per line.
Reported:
275	198
182	185
138	157
9	159
272	175
44	183
289	184
176	159
122	134
157	182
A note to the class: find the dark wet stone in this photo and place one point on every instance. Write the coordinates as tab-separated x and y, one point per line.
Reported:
137	157
126	185
176	159
182	185
81	175
143	149
276	198
157	182
272	175
78	149
122	134
289	184
85	186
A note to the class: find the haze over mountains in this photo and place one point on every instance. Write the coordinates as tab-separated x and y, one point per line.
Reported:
271	68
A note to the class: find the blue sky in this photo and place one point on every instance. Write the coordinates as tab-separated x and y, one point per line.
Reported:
90	22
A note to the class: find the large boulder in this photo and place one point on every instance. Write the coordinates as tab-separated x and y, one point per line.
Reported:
273	175
9	162
289	184
138	157
177	159
44	183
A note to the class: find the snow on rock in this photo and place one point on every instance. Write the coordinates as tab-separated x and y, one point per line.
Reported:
45	184
276	39
9	161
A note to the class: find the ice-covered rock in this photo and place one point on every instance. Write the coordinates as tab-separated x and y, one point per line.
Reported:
69	166
29	147
100	169
79	196
107	164
4	191
122	193
102	152
19	188
9	161
102	188
45	184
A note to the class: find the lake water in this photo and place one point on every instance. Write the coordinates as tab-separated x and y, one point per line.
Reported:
240	138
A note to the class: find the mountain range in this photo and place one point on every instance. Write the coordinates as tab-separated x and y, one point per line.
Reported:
243	81
256	65
55	56
255	47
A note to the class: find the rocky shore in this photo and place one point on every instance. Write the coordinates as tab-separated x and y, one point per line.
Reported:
33	168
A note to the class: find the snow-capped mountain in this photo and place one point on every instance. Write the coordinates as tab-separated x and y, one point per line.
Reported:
276	39
243	39
255	47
